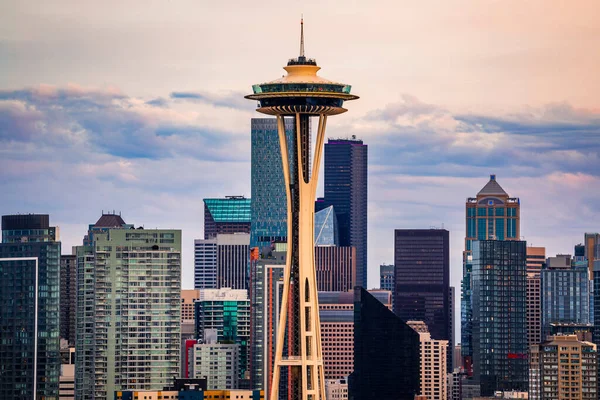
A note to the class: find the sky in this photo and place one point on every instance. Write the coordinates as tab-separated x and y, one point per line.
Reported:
137	107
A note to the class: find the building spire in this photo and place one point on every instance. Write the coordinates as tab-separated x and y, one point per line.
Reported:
302	36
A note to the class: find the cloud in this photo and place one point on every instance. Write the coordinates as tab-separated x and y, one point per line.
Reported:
232	100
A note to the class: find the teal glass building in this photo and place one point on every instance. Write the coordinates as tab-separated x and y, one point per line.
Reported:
268	203
29	308
226	215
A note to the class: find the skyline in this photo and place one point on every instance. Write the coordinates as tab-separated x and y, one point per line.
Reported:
92	117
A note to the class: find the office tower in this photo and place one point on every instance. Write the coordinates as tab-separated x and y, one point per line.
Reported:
492	214
422	277
222	262
128	311
592	250
335	268
300	95
66	389
188	324
68	292
205	263
563	367
536	256
29	308
268	201
336	389
451	319
266	288
326	228
456	359
227	311
433	363
218	363
580	253
455	384
226	216
386	353
345	184
336	310
386	277
499	315
565	293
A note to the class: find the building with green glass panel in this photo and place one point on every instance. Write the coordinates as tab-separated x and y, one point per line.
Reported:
29	308
128	311
226	215
228	312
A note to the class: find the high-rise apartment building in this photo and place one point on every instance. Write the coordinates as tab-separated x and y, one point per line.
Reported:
29	308
226	216
565	294
68	292
188	298
386	353
386	277
499	315
345	183
67	374
433	363
536	256
268	201
218	363
422	277
491	215
336	389
563	367
222	262
128	311
228	312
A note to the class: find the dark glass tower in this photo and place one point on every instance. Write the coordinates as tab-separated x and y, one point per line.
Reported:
29	308
386	353
346	191
422	280
499	328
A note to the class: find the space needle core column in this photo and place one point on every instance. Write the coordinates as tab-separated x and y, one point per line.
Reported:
300	95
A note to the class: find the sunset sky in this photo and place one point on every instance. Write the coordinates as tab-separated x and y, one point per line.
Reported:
138	106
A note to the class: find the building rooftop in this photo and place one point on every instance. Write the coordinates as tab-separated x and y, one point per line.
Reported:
229	209
110	221
492	188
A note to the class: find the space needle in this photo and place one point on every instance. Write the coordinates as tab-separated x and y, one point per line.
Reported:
299	96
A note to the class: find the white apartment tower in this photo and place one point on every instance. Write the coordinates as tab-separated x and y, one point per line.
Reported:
433	363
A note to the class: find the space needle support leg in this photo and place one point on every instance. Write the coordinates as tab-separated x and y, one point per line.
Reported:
286	279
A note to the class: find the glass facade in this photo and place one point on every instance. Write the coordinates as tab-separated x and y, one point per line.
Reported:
29	309
386	353
565	296
228	215
499	324
326	227
268	204
345	188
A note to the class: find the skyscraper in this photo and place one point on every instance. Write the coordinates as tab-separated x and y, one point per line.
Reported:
228	312
565	296
226	216
386	277
128	311
335	268
68	292
268	203
29	308
345	184
222	262
386	353
433	363
492	214
535	260
422	277
499	315
592	250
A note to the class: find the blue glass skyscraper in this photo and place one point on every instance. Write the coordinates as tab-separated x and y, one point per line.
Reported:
29	308
268	203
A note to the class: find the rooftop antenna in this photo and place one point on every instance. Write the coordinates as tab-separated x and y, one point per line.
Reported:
301	35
